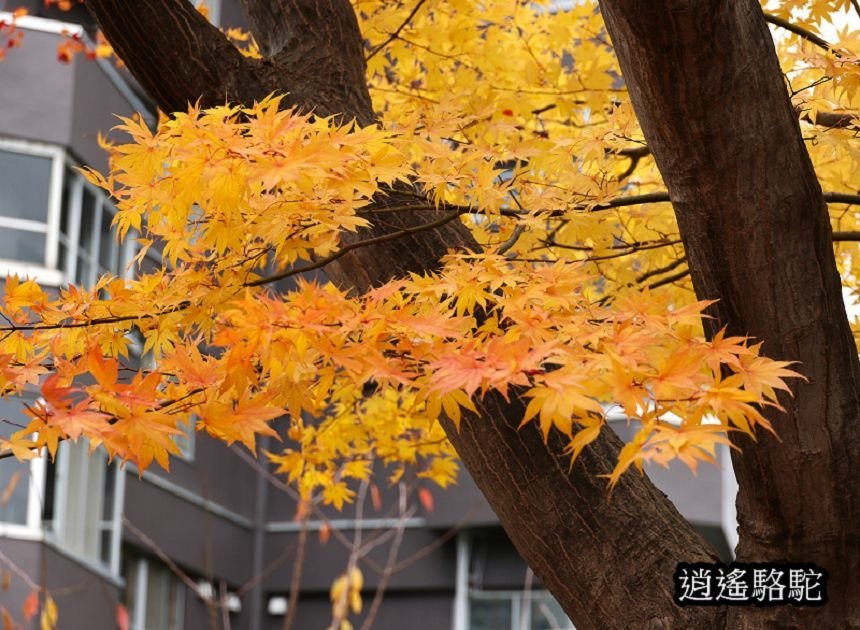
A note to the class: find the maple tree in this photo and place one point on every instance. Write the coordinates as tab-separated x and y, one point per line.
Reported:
512	232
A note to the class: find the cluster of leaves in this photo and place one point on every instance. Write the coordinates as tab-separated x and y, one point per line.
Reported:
37	600
345	596
236	199
517	124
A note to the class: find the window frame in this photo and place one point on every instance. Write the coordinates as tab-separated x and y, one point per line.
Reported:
465	593
123	251
518	600
47	273
55	272
32	529
137	605
56	534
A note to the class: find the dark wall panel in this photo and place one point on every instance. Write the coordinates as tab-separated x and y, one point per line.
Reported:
96	103
84	599
36	90
196	539
324	562
217	474
399	611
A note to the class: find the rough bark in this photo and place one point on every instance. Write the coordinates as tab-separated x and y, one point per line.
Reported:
707	88
608	562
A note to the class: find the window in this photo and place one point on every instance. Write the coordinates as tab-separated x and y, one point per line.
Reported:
21	509
187	439
154	597
14	474
54	225
87	245
83	504
75	501
30	198
516	610
491	593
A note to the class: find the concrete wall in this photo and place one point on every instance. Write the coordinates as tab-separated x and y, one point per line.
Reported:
85	599
43	100
200	542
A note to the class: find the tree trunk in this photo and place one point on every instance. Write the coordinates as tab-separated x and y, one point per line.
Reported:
707	88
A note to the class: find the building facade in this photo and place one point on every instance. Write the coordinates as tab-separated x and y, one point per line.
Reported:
213	543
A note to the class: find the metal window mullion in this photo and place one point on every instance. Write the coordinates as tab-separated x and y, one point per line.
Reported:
129	246
516	602
115	251
36	493
179	611
61	491
96	242
76	200
55	203
138	621
24	225
116	532
461	587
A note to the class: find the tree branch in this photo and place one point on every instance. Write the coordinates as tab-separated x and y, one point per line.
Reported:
175	54
798	30
179	58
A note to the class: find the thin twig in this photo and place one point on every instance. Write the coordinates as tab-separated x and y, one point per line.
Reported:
665	269
298	566
390	560
342	606
669	279
396	32
352	246
225	612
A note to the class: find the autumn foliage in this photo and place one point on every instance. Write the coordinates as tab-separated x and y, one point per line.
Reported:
515	124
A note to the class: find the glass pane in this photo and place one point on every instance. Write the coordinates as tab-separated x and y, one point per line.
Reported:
129	573
25	182
48	503
81	524
88	217
14	475
107	244
185	440
548	615
109	492
174	622
62	261
66	203
158	598
82	273
21	245
490	614
104	546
